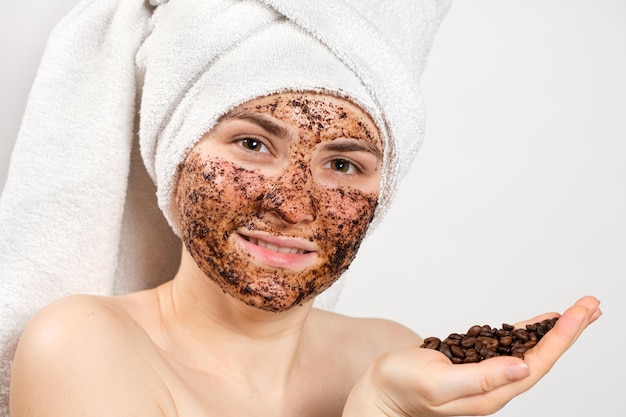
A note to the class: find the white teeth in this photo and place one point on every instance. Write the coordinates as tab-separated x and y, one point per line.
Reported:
268	246
275	248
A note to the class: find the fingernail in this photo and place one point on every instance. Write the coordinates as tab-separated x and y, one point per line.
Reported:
517	371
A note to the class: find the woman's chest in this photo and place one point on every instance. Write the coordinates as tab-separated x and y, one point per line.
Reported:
311	393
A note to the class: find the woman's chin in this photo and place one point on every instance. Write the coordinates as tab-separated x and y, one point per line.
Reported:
274	298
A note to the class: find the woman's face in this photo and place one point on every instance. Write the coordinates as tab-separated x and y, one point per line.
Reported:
275	200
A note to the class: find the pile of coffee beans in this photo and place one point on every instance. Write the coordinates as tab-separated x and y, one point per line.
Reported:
484	342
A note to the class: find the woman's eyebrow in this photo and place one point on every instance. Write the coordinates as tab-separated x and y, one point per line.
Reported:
263	122
354	146
267	124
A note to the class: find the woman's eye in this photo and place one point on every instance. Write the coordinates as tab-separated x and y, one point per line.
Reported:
255	145
342	165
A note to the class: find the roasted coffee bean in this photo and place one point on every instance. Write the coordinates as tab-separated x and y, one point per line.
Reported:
485	330
541	331
530	344
453	341
445	349
432	343
490	343
506	340
473	331
457	351
487	353
471	356
484	342
468	342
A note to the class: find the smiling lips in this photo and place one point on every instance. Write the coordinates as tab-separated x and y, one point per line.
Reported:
276	248
278	252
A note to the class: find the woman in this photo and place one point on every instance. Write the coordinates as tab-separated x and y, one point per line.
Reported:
272	142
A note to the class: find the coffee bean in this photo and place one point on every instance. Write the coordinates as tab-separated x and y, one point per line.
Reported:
478	345
485	330
445	349
522	335
541	331
506	340
473	331
490	343
432	343
530	344
484	342
457	351
471	356
468	342
452	341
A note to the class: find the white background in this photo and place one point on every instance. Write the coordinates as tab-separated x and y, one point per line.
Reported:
516	204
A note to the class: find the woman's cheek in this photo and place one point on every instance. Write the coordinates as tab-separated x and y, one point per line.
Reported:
219	184
347	215
351	208
212	195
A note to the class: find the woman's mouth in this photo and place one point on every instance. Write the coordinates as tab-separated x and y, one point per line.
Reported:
275	248
277	252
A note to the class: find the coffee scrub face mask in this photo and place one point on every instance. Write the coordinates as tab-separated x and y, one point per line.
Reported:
275	200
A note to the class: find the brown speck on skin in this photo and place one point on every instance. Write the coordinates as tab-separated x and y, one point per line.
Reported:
216	197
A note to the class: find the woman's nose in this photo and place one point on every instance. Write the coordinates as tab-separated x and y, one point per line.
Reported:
289	196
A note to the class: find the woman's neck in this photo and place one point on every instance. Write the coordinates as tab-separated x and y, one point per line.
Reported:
202	327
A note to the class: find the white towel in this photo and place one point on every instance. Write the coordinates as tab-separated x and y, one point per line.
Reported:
124	91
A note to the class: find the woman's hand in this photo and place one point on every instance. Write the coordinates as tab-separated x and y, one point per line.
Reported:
423	382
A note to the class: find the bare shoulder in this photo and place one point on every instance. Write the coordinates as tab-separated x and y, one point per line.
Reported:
87	346
77	310
74	323
368	338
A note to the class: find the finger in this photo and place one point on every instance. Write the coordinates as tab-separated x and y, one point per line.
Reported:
565	332
476	388
596	315
590	302
593	312
470	379
593	305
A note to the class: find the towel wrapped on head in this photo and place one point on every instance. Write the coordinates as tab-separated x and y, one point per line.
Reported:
225	66
127	87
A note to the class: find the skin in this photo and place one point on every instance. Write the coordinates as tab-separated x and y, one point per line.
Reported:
249	343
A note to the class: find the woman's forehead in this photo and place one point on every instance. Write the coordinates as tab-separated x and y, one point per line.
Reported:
309	111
